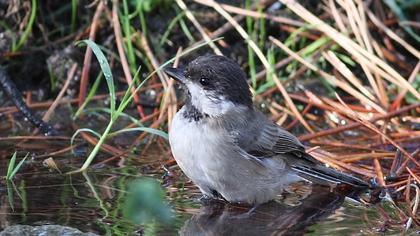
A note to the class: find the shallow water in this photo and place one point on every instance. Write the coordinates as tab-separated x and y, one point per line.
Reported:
98	201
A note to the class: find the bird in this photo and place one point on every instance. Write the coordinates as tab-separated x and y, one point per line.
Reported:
230	149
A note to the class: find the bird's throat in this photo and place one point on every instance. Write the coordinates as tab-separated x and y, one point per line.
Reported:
191	113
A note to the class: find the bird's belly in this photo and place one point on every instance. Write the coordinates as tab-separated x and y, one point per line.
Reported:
192	146
206	156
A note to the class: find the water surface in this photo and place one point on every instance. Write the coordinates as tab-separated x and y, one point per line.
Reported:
98	201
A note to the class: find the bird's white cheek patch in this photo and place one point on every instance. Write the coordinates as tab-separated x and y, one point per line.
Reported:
196	94
208	102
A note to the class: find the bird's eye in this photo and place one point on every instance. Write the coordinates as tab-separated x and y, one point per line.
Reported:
204	81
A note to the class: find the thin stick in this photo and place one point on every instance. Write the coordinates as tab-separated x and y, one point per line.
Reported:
88	54
337	17
39	105
379	174
197	25
169	96
123	58
60	95
346	72
402	94
412	174
255	14
357	124
393	35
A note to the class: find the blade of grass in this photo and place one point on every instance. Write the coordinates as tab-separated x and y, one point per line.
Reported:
347	73
357	21
88	53
28	29
255	14
262	29
251	61
74	5
393	35
197	25
106	70
83	130
124	62
11	166
121	114
16	169
127	33
186	31
90	95
10	195
145	129
400	13
170	27
12	169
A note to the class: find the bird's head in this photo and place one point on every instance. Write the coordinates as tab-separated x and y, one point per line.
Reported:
214	85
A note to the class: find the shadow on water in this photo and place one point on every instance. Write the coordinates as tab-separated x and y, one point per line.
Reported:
273	218
128	199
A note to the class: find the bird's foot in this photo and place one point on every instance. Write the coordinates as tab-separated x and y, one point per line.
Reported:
251	211
206	200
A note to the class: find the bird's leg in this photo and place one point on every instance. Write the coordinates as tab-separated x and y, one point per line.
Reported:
248	213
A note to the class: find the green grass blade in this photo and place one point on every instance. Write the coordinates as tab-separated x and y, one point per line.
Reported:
16	169
95	150
106	70
10	196
83	130
28	30
92	92
128	95
170	27
144	129
74	4
127	33
392	4
314	46
92	111
11	166
263	29
186	31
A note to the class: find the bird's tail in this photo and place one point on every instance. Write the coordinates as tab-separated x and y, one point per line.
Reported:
327	176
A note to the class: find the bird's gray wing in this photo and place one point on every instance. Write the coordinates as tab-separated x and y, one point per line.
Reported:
263	138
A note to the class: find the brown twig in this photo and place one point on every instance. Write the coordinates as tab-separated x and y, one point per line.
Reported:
378	170
401	95
354	125
60	95
124	62
88	54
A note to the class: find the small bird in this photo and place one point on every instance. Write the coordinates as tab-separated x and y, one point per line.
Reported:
228	148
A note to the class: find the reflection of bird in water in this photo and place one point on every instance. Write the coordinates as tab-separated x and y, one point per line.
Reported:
272	218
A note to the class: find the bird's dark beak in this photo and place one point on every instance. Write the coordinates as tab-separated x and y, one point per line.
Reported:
176	73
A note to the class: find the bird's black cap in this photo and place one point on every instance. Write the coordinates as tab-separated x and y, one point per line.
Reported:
219	74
